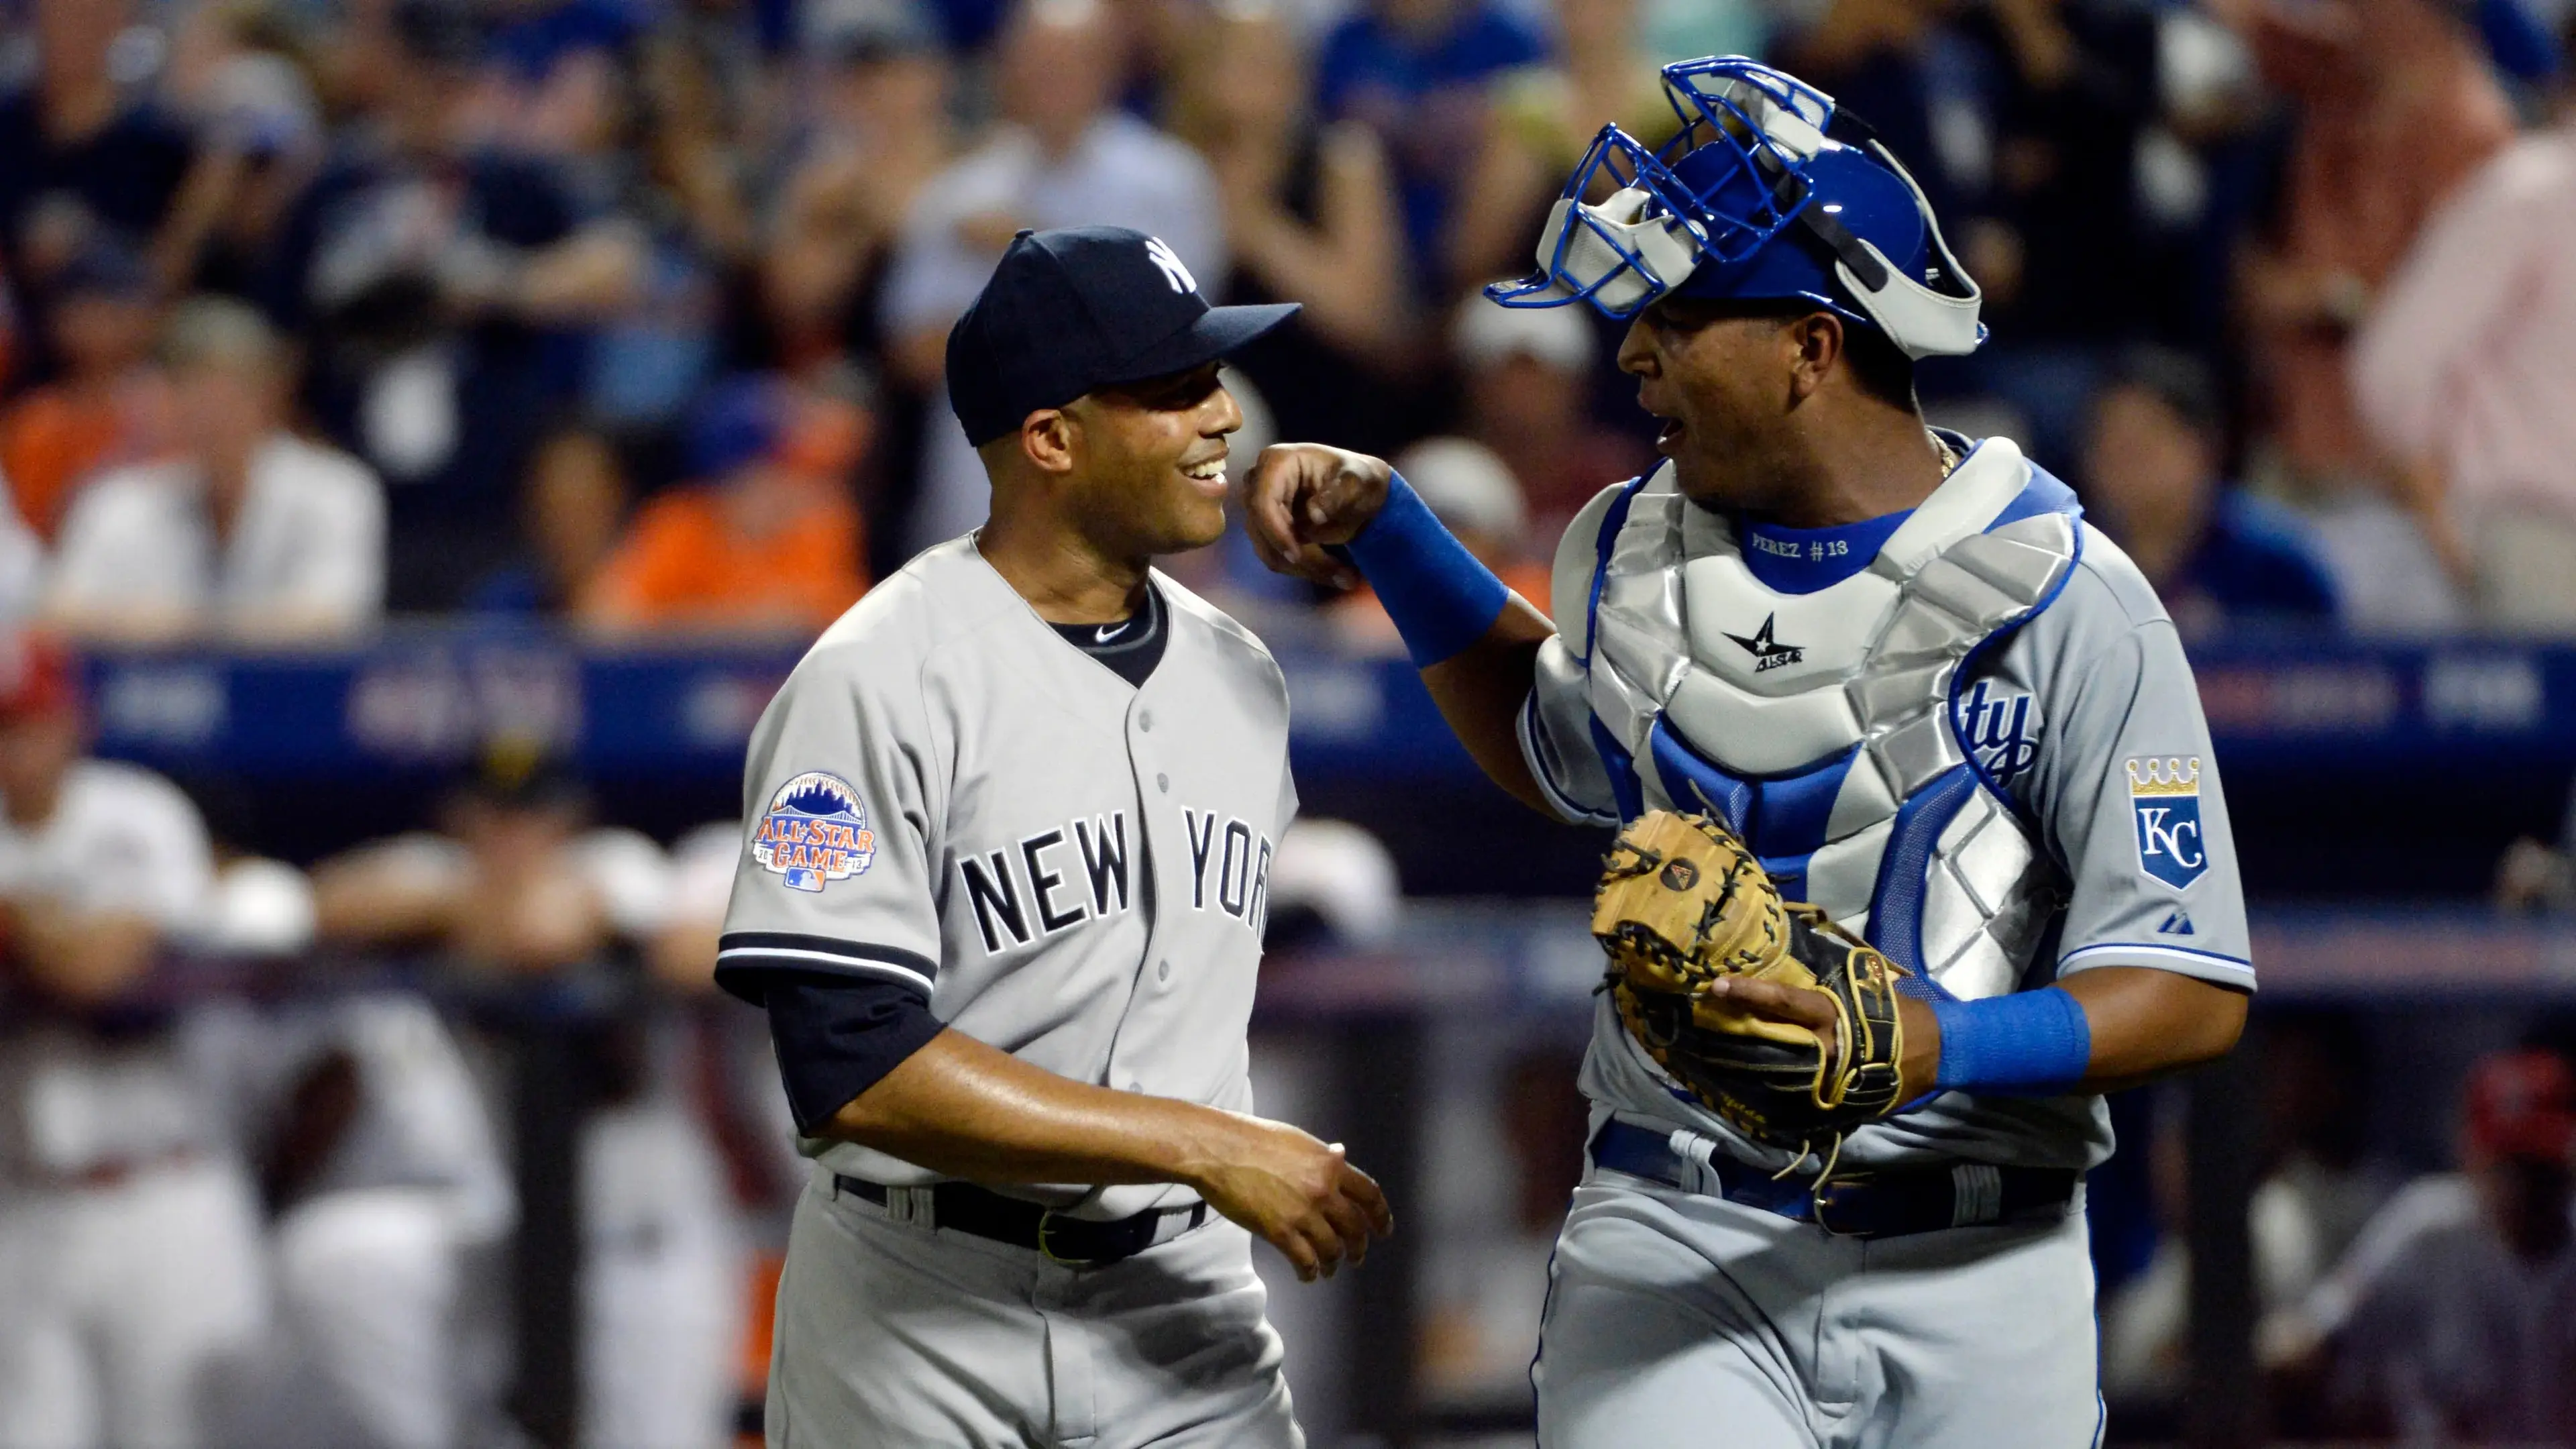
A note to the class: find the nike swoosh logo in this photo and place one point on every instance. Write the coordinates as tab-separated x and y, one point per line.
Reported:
1107	632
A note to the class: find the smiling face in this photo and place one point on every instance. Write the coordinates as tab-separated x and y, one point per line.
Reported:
1147	473
1726	386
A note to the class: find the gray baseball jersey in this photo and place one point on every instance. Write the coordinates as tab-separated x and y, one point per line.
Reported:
949	794
1983	751
946	793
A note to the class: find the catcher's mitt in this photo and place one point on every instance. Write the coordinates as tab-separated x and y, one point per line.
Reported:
1682	903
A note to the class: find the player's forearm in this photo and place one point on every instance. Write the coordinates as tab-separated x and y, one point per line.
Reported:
960	1107
2147	1023
1480	693
2098	1031
81	958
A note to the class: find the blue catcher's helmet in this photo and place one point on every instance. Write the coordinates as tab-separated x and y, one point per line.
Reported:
1754	200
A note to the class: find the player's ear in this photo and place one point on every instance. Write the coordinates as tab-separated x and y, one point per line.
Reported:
1815	341
1047	441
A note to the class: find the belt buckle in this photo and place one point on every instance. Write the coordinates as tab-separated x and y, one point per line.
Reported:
1046	1243
1820	1208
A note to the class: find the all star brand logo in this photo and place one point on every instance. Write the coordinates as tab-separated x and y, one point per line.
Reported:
1769	653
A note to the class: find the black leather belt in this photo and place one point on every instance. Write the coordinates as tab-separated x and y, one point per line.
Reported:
1891	1204
1079	1242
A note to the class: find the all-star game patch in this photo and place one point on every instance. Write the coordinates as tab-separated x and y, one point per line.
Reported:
814	832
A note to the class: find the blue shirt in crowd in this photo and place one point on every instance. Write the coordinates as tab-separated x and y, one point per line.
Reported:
2255	562
1417	94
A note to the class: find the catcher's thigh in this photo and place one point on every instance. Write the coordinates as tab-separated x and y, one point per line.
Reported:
1646	1344
889	1333
1675	1319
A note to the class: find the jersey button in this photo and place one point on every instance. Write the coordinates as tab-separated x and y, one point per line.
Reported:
1163	971
1145	720
1163	783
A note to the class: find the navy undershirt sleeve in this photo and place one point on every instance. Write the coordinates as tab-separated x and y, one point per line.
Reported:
837	1036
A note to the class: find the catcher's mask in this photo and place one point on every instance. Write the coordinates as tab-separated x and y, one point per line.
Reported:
1754	199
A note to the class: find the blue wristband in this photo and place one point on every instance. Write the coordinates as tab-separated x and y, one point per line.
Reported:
1440	596
2031	1043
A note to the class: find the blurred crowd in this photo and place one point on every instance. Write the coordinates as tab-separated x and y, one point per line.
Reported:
629	316
333	1157
630	313
269	1139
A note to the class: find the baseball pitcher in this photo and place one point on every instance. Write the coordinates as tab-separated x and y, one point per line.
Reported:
1002	892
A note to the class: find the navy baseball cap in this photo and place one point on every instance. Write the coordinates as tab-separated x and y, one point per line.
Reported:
1081	308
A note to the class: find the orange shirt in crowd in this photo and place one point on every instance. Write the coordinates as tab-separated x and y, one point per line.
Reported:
685	564
56	437
1362	625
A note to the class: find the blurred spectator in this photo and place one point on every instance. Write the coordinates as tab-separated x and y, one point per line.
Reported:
1063	157
765	542
879	131
1917	78
663	1275
387	1180
631	147
1528	375
248	533
2146	1322
1310	214
2468	1330
1420	73
81	151
1334	886
571	511
520	884
1472	490
1545	118
2216	555
2396	108
107	404
130	1255
517	882
439	276
694	1145
1486	1269
2076	86
2464	372
22	570
2536	876
238	72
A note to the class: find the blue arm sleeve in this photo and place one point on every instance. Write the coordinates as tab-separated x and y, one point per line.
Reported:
837	1036
1440	596
2031	1043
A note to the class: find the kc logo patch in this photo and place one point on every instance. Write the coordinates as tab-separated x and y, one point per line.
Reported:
814	832
2164	794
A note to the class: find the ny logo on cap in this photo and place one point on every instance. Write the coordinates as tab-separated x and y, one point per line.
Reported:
1164	257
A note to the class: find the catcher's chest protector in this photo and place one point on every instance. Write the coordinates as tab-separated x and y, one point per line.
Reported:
1823	727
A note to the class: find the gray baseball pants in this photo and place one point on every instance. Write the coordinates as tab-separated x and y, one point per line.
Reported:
889	1333
1676	1319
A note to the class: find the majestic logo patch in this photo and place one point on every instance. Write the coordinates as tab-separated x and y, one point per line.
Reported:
2176	924
1998	729
2164	794
814	832
1767	652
